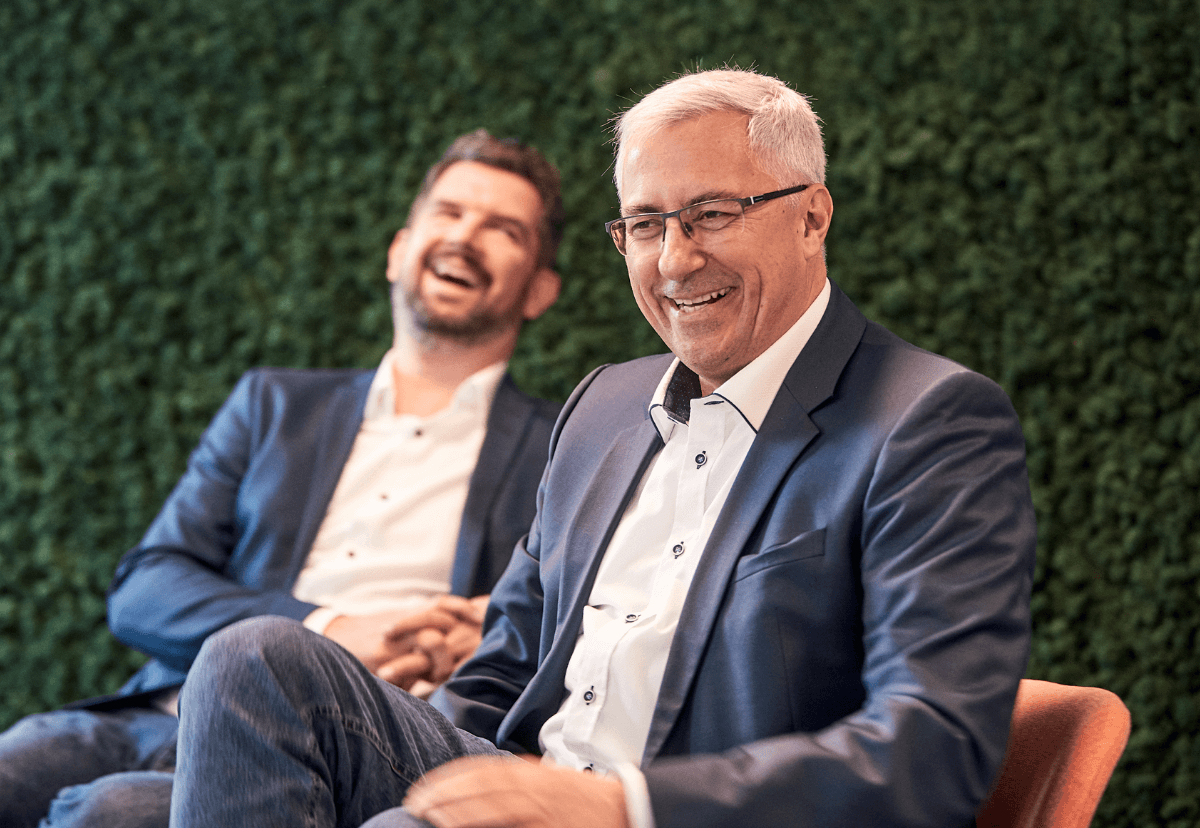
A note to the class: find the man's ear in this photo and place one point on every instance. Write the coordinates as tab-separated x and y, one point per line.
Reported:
542	292
395	253
818	214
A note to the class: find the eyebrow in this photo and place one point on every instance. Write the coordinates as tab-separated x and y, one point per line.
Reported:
500	218
639	209
492	217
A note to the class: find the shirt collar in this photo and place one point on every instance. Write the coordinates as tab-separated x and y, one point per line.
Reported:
474	394
751	390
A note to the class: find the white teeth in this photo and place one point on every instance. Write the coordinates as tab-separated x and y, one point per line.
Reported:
446	270
690	305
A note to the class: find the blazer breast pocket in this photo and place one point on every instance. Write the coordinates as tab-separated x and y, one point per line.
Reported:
808	545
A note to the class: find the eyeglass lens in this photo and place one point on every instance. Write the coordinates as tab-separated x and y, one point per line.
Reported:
706	217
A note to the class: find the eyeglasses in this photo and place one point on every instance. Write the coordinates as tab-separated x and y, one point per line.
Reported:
647	231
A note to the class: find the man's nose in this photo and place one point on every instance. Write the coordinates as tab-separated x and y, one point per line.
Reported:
680	255
464	229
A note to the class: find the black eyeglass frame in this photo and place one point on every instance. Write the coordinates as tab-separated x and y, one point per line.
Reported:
748	201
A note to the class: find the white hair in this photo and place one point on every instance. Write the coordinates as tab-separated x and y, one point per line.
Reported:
784	132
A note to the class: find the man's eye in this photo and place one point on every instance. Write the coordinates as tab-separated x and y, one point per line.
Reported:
510	235
644	227
713	217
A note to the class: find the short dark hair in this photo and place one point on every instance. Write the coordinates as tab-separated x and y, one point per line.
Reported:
511	155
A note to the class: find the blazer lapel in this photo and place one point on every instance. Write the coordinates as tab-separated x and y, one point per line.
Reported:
608	494
506	425
599	510
338	430
777	448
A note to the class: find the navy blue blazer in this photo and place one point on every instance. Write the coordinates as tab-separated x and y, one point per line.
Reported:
233	535
851	645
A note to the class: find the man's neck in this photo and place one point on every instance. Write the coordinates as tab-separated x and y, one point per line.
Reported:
427	375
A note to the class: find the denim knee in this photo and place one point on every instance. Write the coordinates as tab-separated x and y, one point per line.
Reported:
262	639
263	651
254	637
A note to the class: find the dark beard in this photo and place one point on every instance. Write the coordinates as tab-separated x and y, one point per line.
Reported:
477	327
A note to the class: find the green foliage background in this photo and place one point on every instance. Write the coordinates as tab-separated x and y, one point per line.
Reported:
192	187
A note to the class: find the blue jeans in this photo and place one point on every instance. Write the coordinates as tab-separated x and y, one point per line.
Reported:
282	727
75	768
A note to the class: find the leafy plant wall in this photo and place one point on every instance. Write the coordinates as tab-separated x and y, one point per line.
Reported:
192	187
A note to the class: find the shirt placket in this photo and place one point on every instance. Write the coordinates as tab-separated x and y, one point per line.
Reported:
704	439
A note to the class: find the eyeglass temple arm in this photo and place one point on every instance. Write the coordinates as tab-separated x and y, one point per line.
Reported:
776	194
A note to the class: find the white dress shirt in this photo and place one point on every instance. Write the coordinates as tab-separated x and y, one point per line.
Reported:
616	668
388	537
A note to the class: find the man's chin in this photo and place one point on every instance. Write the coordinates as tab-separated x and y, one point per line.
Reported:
463	330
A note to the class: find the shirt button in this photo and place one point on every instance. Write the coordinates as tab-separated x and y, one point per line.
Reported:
590	769
629	619
589	695
701	459
677	549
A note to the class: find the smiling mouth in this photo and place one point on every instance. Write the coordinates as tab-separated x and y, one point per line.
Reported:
459	270
456	277
693	305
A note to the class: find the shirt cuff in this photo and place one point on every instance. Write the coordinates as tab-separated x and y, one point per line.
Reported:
637	795
319	619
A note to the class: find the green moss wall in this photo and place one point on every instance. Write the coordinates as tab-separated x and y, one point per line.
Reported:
192	187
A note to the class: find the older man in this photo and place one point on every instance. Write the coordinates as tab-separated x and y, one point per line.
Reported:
370	505
779	578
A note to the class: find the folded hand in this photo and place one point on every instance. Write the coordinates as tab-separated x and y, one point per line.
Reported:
492	792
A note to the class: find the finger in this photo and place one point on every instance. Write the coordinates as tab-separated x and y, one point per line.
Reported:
433	644
479	605
464	635
461	607
465	792
403	671
434	617
486	792
462	642
504	811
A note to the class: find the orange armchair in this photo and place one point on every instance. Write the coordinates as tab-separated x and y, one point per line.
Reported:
1062	748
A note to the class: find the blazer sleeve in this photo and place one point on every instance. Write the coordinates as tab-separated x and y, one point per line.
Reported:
173	590
946	563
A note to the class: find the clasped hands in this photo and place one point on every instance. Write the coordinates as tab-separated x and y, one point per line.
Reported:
402	648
